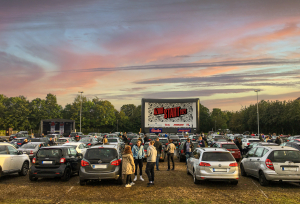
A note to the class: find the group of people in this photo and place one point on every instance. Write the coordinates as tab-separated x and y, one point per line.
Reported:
133	160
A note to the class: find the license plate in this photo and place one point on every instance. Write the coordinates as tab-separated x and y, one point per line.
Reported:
219	170
289	169
46	162
100	166
232	151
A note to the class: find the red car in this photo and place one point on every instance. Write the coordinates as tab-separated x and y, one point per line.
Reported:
230	146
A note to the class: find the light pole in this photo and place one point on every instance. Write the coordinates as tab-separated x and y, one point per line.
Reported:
257	112
81	92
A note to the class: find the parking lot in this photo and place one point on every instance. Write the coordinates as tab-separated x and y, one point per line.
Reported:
170	187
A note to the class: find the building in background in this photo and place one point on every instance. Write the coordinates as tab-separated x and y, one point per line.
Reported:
59	126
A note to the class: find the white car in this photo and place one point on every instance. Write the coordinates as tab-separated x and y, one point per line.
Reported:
79	146
12	160
247	141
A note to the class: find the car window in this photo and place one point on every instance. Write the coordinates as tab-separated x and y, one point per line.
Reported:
195	154
217	156
72	152
285	155
105	154
12	150
229	146
265	152
251	152
49	153
258	152
3	149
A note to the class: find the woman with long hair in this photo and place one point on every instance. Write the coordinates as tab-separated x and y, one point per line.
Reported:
128	167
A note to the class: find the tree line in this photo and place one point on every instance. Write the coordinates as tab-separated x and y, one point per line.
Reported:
281	117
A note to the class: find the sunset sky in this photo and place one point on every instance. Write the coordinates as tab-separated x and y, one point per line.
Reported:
123	51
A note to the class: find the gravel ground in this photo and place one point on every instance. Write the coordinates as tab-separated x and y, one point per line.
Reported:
170	187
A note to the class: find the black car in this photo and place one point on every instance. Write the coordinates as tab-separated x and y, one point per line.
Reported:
55	161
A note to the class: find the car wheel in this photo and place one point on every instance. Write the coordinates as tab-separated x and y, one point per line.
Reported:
262	179
32	178
234	182
243	172
67	175
82	182
24	170
196	181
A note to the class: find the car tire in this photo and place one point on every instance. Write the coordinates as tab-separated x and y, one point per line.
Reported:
234	182
196	181
67	175
82	182
24	169
32	178
243	172
262	179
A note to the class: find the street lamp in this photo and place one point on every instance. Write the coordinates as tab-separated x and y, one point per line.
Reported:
81	92
257	112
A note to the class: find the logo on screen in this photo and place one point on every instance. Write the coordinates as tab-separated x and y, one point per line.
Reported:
170	112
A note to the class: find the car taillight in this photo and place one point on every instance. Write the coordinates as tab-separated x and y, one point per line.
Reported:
143	144
193	139
167	143
181	151
248	143
69	135
233	164
84	163
19	143
145	150
62	160
130	143
15	137
89	144
179	143
116	162
204	164
288	140
31	152
67	141
149	139
269	164
34	160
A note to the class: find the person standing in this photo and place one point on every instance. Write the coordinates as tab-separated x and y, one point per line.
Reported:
128	166
158	147
138	155
50	143
146	139
187	149
170	151
238	143
151	158
201	142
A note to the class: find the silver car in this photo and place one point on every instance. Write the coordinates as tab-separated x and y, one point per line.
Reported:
272	163
213	164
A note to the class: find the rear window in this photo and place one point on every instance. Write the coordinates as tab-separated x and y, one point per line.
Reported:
62	140
105	154
51	136
35	140
163	141
86	140
112	140
3	149
219	137
19	140
49	153
253	141
146	146
285	155
152	137
229	146
217	156
29	146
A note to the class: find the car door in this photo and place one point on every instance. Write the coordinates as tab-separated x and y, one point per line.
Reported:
246	160
15	158
5	158
190	161
255	161
74	160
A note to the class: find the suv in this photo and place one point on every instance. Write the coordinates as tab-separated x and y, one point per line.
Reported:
12	160
55	161
272	163
101	162
213	164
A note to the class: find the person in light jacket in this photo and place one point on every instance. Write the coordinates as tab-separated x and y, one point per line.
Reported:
128	166
151	160
138	155
170	150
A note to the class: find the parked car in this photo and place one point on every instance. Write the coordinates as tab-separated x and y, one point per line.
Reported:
64	140
55	161
116	141
54	136
175	139
133	142
3	139
112	135
213	164
12	160
40	139
231	147
181	155
272	163
89	141
261	144
79	146
101	162
164	141
12	136
31	148
293	137
295	145
74	134
247	141
18	141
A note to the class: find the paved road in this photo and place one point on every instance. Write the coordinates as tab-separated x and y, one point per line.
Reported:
175	186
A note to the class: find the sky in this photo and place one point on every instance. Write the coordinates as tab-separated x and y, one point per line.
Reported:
123	51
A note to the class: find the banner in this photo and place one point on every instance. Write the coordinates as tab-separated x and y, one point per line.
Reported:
183	130
61	128
155	130
52	129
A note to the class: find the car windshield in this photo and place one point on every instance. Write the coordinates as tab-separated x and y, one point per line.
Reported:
229	146
86	139
35	140
217	156
49	153
112	140
163	141
62	140
152	137
29	146
112	136
104	154
285	155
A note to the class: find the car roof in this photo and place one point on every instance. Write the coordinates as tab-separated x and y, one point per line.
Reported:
72	143
293	142
279	147
55	147
35	142
105	146
225	143
212	149
64	138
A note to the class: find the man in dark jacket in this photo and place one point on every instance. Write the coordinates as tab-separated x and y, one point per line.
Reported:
158	147
187	148
146	139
